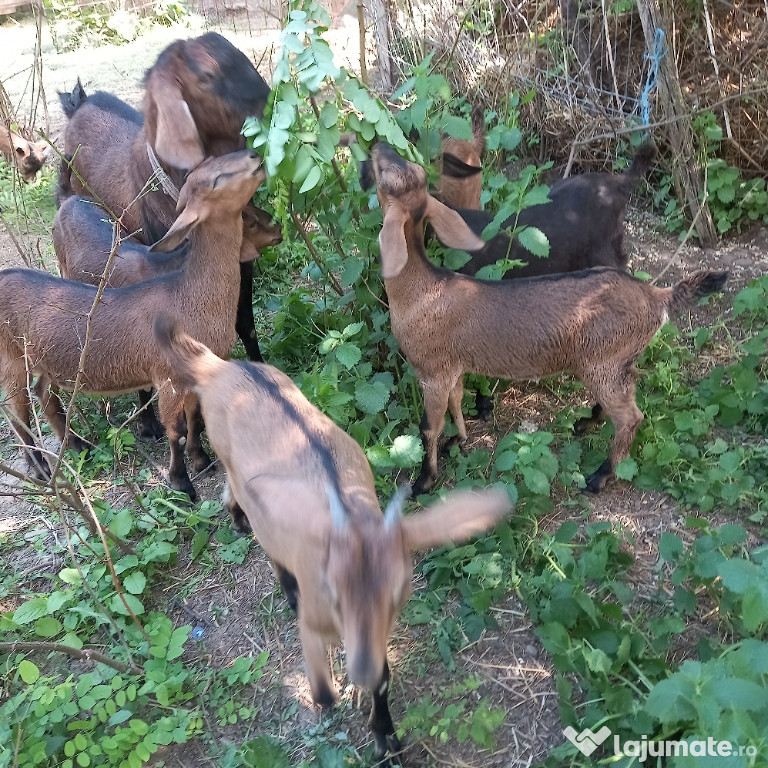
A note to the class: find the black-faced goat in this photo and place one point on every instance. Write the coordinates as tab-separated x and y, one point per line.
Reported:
197	96
306	490
44	320
593	324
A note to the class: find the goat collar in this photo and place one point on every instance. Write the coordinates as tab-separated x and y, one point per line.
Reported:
159	173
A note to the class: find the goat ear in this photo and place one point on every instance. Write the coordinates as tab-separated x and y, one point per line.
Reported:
450	228
461	515
177	141
185	222
392	244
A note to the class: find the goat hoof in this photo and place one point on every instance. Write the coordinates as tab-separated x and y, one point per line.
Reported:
484	407
38	467
184	486
423	484
581	426
77	444
201	462
599	479
151	429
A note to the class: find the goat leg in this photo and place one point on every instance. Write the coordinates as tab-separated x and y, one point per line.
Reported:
316	660
245	325
454	408
435	406
18	405
54	412
200	459
583	424
149	426
171	407
288	584
380	721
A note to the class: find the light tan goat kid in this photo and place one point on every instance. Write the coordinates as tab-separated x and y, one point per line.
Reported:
306	489
593	324
43	318
27	156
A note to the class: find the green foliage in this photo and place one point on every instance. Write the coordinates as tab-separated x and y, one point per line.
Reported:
73	25
733	201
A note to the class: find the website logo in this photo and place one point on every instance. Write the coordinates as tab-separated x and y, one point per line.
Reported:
586	741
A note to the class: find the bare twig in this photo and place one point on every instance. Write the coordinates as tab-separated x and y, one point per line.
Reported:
87	654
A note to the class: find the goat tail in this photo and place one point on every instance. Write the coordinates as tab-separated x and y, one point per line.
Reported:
71	102
642	161
193	363
693	287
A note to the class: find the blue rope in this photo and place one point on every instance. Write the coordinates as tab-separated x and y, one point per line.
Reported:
659	51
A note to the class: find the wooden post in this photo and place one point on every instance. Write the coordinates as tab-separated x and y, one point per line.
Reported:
379	13
678	128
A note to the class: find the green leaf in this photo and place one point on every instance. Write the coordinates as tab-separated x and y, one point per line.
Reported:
738	574
349	355
626	469
47	626
28	672
406	451
117	605
535	480
670	547
313	179
371	396
535	241
505	461
265	752
69	575
121	523
199	541
31	611
135	582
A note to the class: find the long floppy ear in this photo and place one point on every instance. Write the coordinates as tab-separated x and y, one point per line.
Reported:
177	141
185	222
461	515
392	244
450	228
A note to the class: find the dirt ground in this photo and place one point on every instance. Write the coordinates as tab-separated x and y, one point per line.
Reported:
241	610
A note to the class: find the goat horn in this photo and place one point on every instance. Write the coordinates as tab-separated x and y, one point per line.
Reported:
338	513
395	507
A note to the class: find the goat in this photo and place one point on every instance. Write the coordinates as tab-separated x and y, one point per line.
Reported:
305	488
27	156
84	236
583	221
593	324
461	182
197	96
44	319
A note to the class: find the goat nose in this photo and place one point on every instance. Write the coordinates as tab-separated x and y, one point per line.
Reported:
253	154
363	671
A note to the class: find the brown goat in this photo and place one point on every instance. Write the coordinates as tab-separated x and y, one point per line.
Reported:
27	156
43	319
84	234
593	324
306	489
197	96
461	180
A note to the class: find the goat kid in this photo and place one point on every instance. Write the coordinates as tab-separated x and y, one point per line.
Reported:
44	320
27	156
306	490
197	96
84	237
593	324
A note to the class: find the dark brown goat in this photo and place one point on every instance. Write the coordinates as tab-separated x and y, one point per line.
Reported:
593	324
197	96
584	223
44	319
